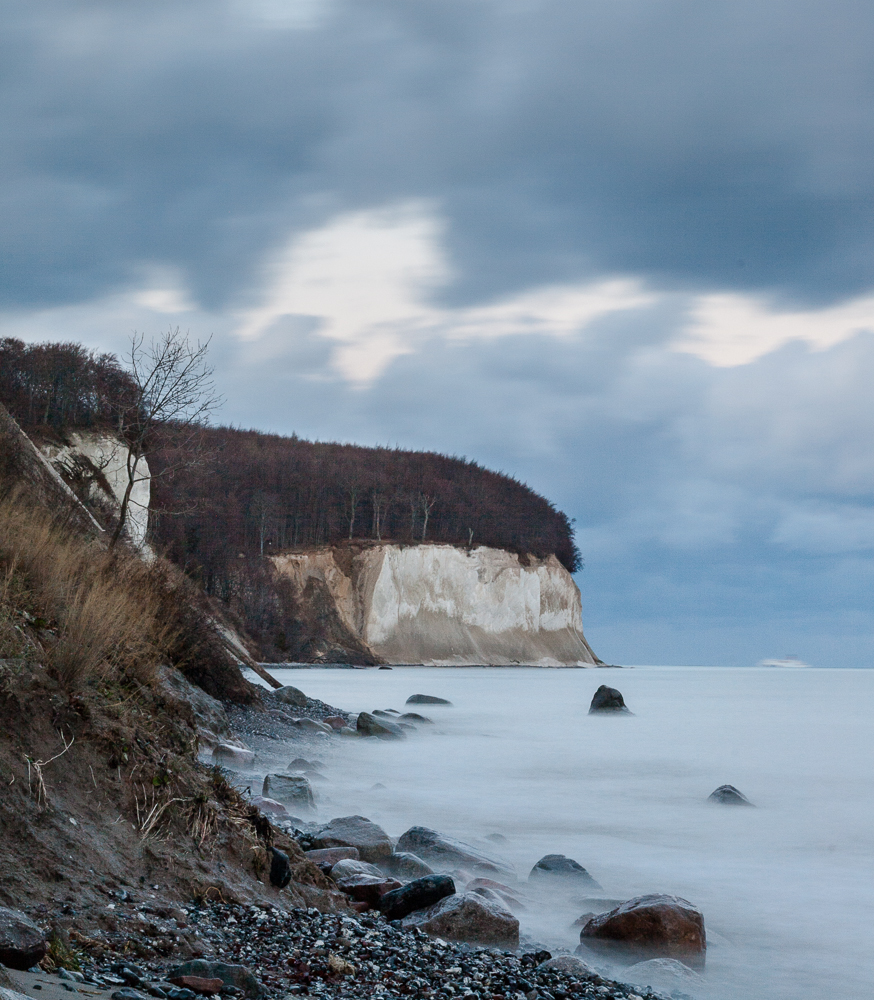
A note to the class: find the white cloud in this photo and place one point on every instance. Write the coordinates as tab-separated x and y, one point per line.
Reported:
369	278
827	530
729	329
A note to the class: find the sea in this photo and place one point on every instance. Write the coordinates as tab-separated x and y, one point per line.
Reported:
518	767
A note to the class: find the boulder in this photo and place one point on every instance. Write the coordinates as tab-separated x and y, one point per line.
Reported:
270	807
302	764
280	869
289	695
426	699
355	831
233	756
469	918
556	868
369	725
290	789
206	987
387	713
348	867
313	726
416	895
655	926
728	795
507	896
209	713
231	975
570	965
349	731
368	888
607	699
447	854
421	720
336	722
406	865
331	855
665	974
22	943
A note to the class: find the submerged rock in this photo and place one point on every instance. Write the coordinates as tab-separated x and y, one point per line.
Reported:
662	974
555	868
369	725
289	789
654	926
416	895
447	853
467	917
233	756
407	865
728	795
569	964
426	699
22	943
607	699
372	841
421	720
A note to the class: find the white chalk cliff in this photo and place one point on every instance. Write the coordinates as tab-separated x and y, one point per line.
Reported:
441	605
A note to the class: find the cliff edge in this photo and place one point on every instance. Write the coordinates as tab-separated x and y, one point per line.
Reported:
442	605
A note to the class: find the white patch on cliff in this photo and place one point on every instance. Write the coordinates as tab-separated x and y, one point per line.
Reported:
441	605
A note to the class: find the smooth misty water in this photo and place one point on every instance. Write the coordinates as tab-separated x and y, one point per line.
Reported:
787	889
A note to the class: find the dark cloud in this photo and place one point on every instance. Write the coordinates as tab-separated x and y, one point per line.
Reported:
697	145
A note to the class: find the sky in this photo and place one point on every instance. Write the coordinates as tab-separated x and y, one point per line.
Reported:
620	250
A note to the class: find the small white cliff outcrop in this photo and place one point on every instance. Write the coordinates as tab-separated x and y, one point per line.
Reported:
441	605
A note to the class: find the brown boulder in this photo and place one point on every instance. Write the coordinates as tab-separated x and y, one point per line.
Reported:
467	917
655	926
372	841
367	888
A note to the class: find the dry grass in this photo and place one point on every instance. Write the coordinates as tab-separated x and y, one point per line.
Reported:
100	611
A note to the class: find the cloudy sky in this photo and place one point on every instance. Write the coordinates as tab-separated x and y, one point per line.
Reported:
620	249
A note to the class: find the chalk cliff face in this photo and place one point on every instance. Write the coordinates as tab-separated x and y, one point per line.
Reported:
442	606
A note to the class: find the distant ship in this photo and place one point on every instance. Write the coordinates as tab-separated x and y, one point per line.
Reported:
788	661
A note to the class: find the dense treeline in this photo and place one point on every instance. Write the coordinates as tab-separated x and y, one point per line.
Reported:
263	492
61	385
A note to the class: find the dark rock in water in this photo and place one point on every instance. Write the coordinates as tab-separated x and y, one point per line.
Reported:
416	895
498	838
302	764
426	699
555	867
415	717
280	869
467	917
289	789
231	975
406	865
372	841
506	896
289	695
448	853
655	926
385	668
369	725
22	943
607	699
728	795
385	713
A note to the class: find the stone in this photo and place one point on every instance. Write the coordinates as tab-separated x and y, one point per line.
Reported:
233	756
209	713
230	975
406	865
347	867
348	731
207	987
339	966
312	726
662	974
289	789
22	943
280	869
728	795
607	699
416	895
368	888
289	695
372	841
426	699
128	993
9	994
331	855
570	965
469	918
506	896
369	725
555	868
302	764
336	722
416	718
653	926
447	854
270	807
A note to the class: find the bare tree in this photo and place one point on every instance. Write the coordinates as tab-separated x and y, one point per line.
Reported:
173	386
427	504
264	509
